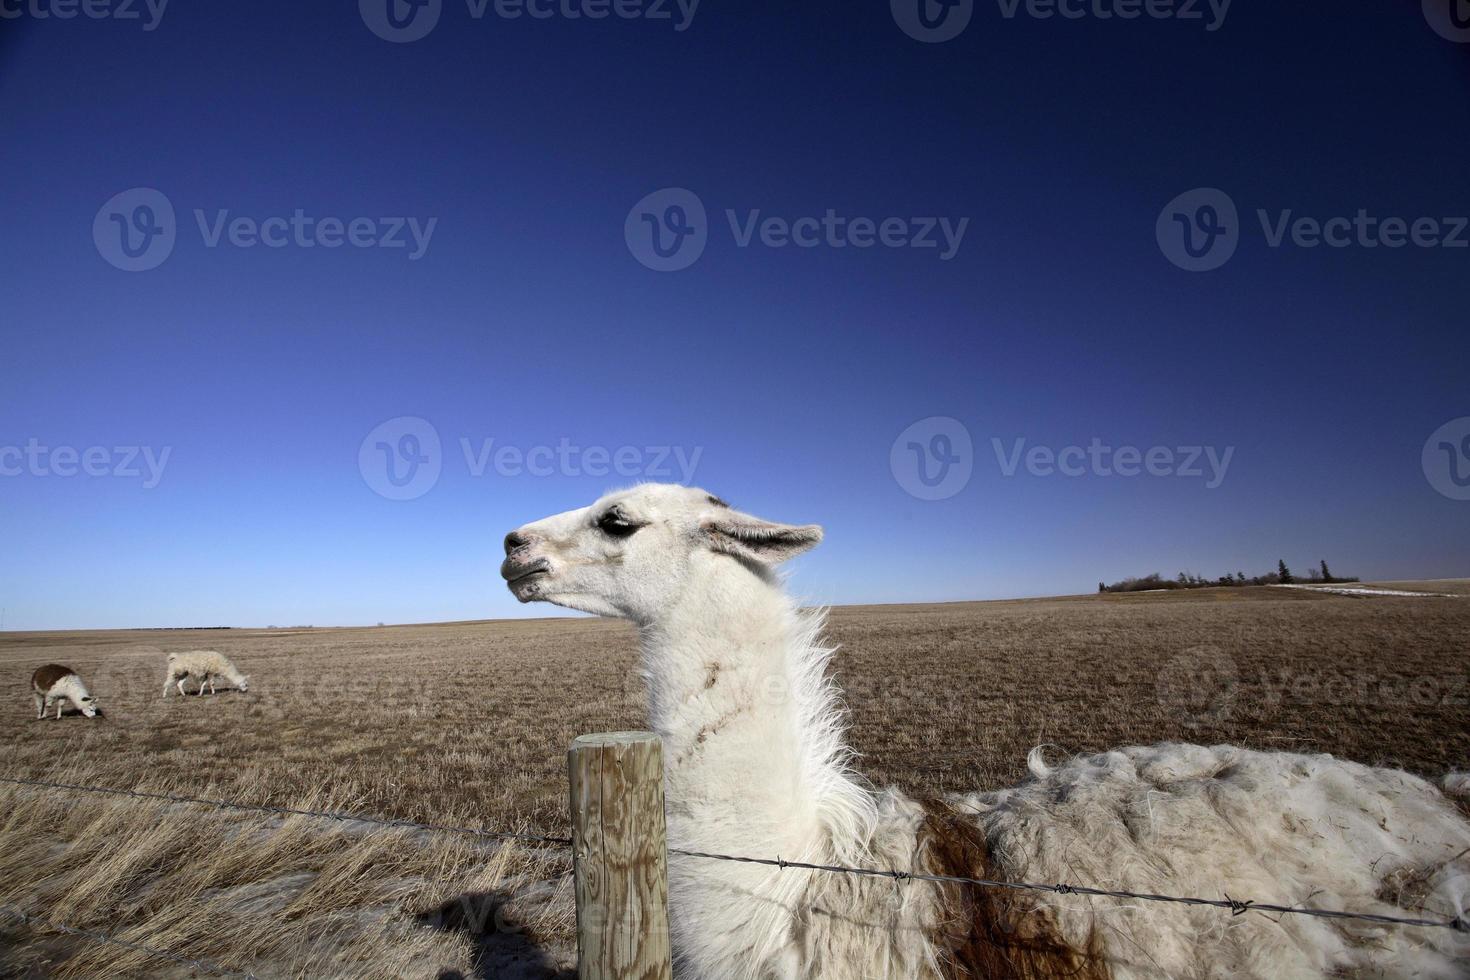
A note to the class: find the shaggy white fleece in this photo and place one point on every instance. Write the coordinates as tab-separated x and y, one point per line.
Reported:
757	765
204	667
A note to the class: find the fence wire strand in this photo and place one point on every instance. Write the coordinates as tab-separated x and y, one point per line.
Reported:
525	838
100	937
1236	906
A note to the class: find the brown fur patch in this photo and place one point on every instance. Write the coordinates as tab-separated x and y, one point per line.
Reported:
994	933
46	677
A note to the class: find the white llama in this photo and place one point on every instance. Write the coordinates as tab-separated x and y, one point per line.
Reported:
756	765
203	666
55	684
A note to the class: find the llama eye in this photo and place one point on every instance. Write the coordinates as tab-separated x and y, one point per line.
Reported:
616	524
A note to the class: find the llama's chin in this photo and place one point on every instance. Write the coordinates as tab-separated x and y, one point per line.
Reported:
581	603
528	588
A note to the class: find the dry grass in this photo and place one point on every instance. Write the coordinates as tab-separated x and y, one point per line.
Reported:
468	723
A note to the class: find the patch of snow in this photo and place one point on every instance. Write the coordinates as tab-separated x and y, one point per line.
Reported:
1349	590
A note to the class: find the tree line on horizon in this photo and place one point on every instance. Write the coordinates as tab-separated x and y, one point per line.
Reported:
1283	575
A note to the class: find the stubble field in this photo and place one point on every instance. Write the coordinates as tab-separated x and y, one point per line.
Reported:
467	724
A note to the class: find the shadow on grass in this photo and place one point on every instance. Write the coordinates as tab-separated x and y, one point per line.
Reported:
503	948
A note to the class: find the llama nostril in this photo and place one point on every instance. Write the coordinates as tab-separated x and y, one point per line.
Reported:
515	540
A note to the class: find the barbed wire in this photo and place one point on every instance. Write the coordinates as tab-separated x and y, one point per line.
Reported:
1236	906
101	937
521	837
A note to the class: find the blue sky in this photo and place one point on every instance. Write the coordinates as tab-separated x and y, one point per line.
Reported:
529	319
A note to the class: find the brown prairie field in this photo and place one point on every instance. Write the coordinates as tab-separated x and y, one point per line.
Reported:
467	724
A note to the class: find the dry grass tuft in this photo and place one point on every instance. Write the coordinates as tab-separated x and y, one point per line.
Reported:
293	896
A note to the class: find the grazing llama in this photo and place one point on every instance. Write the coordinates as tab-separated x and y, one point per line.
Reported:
203	666
756	765
55	684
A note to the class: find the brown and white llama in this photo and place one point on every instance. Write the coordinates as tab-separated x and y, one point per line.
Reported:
55	684
756	764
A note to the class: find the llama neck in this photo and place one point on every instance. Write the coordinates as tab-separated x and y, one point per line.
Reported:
755	761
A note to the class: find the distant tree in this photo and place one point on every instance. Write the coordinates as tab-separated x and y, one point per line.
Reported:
1240	577
1283	574
1101	587
1326	575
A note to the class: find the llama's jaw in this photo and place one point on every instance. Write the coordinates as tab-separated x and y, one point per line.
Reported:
526	580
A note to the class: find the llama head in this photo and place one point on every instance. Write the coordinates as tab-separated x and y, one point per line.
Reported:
88	704
633	551
243	684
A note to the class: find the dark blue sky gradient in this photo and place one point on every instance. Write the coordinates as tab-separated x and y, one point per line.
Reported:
529	321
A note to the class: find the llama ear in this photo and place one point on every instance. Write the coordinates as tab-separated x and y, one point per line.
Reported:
753	539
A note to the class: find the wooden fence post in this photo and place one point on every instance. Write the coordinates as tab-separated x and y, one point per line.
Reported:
620	856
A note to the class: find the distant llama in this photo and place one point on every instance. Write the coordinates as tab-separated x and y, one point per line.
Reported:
55	684
202	666
757	765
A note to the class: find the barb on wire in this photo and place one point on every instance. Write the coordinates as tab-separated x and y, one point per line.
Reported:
526	838
203	966
1235	906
